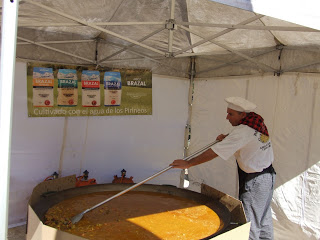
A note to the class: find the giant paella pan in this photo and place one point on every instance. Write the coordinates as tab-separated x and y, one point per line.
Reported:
147	212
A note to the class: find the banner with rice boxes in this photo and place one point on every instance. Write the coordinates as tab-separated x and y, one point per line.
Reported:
67	91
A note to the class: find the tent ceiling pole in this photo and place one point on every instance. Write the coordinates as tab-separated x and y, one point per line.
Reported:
143	59
132	51
96	23
56	42
171	23
216	25
222	52
55	49
250	27
301	66
215	35
51	62
123	60
170	40
172	9
235	62
310	49
139	54
261	65
225	64
131	45
158	60
95	27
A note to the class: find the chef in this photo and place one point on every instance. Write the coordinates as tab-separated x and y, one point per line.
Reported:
250	143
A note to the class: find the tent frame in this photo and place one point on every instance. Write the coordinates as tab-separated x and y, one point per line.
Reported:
171	25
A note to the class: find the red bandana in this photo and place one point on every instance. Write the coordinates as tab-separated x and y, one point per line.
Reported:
256	122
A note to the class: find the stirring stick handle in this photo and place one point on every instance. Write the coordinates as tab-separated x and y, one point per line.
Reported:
151	177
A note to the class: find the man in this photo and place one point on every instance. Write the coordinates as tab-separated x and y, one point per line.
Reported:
250	143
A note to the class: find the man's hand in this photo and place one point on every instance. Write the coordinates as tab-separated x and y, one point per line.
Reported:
221	137
180	163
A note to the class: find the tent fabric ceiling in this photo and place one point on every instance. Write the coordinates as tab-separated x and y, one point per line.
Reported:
161	37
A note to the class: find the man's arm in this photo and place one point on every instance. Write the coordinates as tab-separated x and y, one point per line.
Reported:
202	158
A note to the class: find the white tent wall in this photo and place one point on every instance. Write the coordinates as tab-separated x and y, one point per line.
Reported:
290	106
142	145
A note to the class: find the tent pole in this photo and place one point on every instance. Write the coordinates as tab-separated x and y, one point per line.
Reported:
96	23
239	63
56	42
303	48
254	61
222	52
131	45
55	49
250	27
7	70
187	133
207	39
190	98
300	66
170	40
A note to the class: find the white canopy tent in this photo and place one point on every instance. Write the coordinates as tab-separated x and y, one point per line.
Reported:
220	50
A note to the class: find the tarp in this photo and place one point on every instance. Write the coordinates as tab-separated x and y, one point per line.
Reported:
237	52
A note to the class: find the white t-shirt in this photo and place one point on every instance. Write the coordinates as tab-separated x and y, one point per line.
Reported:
252	149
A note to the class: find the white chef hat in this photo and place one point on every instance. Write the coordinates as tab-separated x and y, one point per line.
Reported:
240	104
